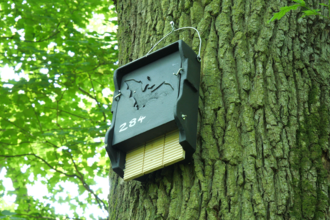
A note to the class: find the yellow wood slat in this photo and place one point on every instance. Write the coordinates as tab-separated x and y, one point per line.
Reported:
173	151
154	154
134	163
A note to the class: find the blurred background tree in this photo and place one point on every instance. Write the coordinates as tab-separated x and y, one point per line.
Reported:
55	107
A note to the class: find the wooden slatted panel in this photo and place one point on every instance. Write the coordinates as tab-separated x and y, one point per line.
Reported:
154	154
134	163
173	152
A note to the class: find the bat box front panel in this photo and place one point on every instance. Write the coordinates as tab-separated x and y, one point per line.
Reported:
146	107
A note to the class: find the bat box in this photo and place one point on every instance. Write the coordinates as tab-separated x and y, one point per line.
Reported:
155	109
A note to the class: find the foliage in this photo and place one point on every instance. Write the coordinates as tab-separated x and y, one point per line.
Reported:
50	118
301	4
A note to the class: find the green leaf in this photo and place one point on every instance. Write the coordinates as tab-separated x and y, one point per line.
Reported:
324	5
283	11
300	2
310	12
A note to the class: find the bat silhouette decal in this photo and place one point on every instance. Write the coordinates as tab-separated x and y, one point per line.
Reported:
142	93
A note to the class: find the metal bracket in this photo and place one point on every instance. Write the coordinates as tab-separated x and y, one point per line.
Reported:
117	97
179	72
172	25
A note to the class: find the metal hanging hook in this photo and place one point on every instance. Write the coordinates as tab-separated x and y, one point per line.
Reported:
118	96
172	25
179	72
173	30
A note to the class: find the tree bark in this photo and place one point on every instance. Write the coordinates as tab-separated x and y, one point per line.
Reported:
264	124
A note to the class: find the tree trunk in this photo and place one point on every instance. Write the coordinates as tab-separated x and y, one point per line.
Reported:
263	141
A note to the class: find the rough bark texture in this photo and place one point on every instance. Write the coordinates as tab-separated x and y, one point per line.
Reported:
263	146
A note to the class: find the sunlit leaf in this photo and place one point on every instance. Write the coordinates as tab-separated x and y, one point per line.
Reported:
283	11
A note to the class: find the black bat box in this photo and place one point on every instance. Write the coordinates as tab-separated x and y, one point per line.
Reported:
154	95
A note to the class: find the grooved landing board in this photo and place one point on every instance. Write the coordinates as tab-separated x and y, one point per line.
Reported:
154	155
173	152
134	163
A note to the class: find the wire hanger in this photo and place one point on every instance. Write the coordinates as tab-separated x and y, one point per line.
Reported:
173	30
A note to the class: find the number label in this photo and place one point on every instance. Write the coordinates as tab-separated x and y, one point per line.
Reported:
122	127
141	118
132	123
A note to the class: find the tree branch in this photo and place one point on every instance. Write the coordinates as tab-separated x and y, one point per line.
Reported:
80	176
87	93
78	116
47	38
43	160
86	186
98	103
6	37
25	131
